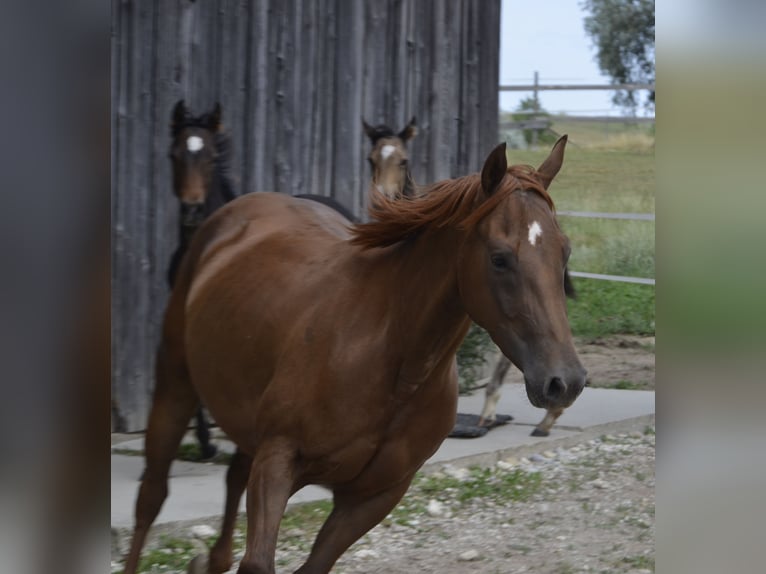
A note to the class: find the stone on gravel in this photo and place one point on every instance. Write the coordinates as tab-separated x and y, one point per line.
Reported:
203	531
468	556
435	508
461	474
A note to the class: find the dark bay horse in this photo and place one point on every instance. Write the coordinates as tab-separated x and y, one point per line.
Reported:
199	154
283	323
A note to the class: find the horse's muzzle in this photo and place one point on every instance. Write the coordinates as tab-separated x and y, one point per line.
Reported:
192	214
557	391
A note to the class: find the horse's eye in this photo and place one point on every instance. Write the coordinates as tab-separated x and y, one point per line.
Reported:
372	163
403	163
499	262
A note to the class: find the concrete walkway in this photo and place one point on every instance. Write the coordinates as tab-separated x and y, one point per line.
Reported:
197	489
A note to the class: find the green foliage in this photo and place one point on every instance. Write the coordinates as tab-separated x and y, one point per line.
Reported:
486	483
173	554
472	356
192	453
623	34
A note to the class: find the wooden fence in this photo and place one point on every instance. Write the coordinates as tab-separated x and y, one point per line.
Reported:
294	78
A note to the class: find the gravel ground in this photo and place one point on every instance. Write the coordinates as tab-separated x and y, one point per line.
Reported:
588	508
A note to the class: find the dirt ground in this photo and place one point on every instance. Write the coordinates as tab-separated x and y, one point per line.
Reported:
616	359
619	361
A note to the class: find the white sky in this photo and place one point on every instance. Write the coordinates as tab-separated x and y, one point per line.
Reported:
548	36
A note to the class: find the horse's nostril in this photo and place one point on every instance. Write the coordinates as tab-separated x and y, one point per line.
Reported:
556	388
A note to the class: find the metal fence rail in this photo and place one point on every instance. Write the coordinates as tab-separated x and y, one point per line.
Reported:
603	215
617	278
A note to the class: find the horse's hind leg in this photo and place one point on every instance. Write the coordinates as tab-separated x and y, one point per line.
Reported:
489	412
173	405
270	485
545	425
352	516
236	480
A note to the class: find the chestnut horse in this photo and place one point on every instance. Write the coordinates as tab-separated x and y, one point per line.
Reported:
389	162
283	323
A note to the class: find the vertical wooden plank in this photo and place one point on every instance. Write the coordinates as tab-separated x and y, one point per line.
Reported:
489	95
348	103
323	128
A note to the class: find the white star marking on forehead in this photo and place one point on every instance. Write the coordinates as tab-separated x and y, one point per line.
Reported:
387	150
535	231
194	143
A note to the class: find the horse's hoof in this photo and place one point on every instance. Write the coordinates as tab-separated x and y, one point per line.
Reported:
198	565
540	432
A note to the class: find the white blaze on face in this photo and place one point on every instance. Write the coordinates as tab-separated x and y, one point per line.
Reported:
534	232
194	143
387	150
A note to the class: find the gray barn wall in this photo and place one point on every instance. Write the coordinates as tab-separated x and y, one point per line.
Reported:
294	78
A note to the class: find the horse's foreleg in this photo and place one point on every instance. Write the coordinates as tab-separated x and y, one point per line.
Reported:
236	480
489	412
271	483
545	425
173	405
352	516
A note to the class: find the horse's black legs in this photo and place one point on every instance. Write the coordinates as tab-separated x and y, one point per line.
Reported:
271	483
207	450
173	406
236	481
352	516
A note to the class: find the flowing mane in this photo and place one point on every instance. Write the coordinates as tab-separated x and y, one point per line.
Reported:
450	203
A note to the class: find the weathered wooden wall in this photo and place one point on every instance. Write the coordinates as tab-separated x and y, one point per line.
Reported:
294	78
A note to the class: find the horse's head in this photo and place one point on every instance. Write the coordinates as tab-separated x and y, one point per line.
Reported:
193	155
513	273
388	158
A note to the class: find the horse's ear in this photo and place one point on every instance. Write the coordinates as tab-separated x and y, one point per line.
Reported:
214	118
552	164
494	169
180	113
409	131
369	130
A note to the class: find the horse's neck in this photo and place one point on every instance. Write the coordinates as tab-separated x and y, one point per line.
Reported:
410	188
185	233
433	320
221	192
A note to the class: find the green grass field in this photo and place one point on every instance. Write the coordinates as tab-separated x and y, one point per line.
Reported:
608	175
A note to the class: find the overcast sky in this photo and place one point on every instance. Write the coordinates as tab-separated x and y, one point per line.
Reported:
548	36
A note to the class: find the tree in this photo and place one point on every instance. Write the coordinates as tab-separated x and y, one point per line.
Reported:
622	32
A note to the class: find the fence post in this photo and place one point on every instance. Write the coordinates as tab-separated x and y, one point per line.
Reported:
535	83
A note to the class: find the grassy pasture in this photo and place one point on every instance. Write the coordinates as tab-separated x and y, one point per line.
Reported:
606	175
